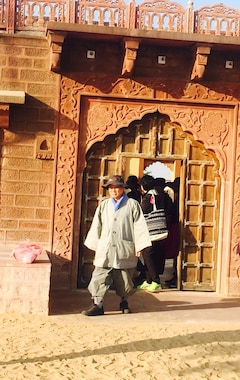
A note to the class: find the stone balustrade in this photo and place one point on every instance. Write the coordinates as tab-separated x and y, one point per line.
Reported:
160	15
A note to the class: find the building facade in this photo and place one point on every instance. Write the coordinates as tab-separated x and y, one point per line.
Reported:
88	90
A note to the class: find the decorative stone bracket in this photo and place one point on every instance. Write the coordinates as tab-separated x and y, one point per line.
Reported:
131	48
201	61
55	41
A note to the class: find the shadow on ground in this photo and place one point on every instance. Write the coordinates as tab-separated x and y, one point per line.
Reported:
73	302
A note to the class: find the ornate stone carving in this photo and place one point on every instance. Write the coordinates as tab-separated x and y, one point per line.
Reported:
218	19
77	132
55	42
235	260
161	15
128	86
198	91
104	119
170	15
66	172
201	60
212	128
131	48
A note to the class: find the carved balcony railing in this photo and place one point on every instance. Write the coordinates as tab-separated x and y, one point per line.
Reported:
160	15
34	14
103	13
218	20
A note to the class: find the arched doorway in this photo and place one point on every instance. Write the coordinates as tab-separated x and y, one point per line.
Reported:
129	151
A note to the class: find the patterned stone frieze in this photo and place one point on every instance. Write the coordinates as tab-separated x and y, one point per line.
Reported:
235	260
65	182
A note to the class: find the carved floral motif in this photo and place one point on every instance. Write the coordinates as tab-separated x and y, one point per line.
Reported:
222	93
107	118
235	267
65	181
209	127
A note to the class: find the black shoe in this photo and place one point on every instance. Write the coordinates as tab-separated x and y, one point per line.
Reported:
124	307
93	311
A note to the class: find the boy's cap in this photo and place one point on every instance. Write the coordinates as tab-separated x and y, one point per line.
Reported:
115	180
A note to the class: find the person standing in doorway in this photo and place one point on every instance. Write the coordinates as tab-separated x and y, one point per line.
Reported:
151	253
135	193
172	243
118	235
165	203
133	185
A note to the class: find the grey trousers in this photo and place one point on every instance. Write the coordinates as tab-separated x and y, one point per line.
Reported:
119	279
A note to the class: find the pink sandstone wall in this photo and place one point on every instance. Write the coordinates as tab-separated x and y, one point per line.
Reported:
27	162
31	153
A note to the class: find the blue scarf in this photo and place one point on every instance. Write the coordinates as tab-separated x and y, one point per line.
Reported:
117	204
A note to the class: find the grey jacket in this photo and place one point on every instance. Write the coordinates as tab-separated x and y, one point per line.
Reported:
116	236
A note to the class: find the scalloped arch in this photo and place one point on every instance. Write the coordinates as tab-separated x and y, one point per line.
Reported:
105	119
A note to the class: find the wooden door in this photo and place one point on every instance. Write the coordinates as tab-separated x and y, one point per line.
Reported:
156	138
200	220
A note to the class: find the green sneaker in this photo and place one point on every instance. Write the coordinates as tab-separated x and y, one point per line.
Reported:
154	287
143	286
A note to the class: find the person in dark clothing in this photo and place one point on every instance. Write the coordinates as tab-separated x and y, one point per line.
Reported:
165	202
133	185
172	243
151	254
135	193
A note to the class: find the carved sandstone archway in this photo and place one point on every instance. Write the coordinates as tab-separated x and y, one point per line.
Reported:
85	119
156	138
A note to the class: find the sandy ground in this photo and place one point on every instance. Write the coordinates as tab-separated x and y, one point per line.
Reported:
76	347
